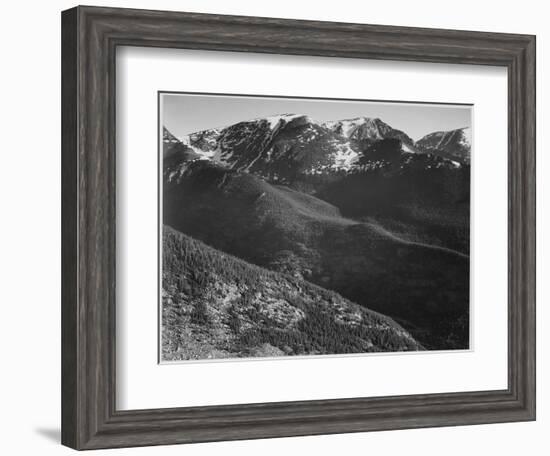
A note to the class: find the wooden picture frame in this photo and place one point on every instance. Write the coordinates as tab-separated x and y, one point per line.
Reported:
90	36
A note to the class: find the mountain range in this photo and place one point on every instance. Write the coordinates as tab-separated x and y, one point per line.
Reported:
281	147
353	207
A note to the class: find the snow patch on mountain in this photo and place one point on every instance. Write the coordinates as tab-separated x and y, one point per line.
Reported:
270	146
276	120
453	144
344	157
203	154
466	137
407	149
347	127
360	128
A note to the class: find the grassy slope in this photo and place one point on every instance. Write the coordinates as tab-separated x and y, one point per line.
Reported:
424	287
217	306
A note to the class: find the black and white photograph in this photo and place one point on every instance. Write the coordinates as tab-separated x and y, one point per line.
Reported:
298	226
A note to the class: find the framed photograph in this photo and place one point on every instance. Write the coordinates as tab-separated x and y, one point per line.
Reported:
279	228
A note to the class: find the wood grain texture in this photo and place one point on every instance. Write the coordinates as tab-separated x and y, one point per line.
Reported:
89	39
69	228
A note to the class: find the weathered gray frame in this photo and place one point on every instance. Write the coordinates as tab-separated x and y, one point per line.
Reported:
90	36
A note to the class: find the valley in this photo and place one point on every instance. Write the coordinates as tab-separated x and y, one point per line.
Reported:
353	207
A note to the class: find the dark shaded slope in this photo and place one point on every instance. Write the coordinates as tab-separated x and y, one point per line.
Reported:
425	287
217	306
420	197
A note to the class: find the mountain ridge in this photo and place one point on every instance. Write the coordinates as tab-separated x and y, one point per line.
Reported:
283	146
452	144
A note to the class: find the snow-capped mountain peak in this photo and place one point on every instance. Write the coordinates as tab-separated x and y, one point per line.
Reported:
282	119
367	130
373	127
283	146
453	144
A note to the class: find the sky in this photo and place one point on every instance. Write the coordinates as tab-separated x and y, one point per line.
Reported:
188	113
